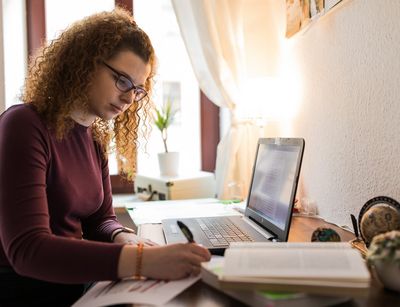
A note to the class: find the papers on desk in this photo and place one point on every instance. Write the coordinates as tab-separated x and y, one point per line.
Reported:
155	211
131	291
153	232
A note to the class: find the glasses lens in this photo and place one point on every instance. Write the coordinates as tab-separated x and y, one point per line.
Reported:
124	84
140	94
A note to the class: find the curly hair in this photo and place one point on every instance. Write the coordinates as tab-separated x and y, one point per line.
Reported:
61	73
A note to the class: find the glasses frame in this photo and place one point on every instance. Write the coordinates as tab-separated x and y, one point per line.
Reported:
136	89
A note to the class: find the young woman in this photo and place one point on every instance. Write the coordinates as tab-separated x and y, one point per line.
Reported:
58	229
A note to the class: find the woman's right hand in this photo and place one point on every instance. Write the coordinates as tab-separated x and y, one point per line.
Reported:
173	261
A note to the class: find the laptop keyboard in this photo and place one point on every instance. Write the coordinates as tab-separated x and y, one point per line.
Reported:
221	231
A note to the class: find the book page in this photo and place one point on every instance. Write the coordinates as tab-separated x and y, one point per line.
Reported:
132	291
323	261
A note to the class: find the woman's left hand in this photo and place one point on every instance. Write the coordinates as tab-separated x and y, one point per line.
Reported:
133	239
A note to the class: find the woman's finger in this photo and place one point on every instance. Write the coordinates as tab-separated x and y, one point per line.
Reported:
201	251
195	260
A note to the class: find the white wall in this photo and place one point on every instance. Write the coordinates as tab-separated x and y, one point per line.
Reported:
349	114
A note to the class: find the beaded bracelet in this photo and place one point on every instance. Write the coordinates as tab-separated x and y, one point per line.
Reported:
118	231
139	255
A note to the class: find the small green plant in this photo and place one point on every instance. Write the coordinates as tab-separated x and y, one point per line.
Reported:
385	247
163	119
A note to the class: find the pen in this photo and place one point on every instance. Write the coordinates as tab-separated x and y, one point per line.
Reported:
354	221
186	231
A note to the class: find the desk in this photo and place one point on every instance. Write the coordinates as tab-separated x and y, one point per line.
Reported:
201	294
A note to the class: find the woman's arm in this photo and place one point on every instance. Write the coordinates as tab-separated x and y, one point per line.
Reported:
32	242
101	224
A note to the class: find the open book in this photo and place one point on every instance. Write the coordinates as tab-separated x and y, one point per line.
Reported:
212	270
321	268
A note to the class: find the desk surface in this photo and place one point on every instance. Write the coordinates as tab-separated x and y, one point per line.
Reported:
201	294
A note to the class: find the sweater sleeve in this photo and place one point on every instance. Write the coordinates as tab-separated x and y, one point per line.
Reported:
100	225
27	241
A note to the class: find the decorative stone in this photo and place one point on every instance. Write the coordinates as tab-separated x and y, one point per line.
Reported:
322	234
379	219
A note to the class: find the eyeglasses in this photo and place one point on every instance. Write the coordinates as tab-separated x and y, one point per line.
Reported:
124	84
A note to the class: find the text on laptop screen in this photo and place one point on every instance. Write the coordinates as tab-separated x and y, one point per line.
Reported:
273	179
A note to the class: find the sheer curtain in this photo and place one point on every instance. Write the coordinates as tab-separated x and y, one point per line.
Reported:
232	44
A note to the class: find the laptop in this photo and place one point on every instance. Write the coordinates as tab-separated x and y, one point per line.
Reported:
269	206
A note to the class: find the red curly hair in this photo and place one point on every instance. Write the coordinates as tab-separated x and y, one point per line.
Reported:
61	73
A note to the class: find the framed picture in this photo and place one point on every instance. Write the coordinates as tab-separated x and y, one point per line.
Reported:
299	13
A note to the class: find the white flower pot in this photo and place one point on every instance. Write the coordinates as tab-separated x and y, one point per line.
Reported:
169	163
389	274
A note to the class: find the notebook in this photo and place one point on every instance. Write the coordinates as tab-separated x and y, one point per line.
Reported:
269	204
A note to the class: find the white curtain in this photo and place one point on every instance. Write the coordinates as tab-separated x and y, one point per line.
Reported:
231	44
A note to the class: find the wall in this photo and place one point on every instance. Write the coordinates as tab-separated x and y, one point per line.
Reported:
349	111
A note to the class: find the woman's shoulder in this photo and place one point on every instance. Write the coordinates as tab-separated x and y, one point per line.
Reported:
18	110
21	116
22	120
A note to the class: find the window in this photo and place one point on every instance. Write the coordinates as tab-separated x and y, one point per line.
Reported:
60	14
175	80
15	46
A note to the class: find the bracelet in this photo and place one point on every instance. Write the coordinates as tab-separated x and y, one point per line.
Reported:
118	231
139	255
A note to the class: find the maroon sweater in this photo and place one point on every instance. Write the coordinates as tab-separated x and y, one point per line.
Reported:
53	193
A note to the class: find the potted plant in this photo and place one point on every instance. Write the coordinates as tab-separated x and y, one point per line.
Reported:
168	161
384	255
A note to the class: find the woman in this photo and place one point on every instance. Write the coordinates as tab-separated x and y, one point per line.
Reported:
57	223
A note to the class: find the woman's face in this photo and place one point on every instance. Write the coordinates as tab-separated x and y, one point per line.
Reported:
105	99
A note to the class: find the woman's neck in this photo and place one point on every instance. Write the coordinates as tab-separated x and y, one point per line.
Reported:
82	118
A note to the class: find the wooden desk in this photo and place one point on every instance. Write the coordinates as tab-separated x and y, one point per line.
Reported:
201	294
302	228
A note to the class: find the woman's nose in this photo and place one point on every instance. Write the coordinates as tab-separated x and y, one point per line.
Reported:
128	97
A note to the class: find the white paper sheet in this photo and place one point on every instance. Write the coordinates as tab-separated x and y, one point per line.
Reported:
131	291
154	212
152	232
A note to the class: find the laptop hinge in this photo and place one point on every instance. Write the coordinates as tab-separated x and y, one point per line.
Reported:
264	232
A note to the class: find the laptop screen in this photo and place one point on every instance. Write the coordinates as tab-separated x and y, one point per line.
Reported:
274	183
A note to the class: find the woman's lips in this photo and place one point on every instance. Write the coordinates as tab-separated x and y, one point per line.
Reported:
116	108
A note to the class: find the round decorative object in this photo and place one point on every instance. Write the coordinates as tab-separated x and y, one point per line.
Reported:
379	215
322	234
